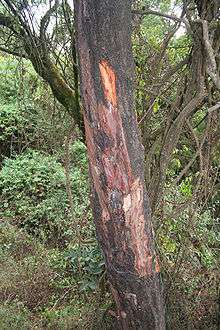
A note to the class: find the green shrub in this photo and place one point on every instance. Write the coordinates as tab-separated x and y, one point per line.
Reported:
33	193
86	262
8	82
79	266
11	121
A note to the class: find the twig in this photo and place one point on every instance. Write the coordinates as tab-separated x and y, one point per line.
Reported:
157	13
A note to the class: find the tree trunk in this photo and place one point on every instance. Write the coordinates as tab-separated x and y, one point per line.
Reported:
120	203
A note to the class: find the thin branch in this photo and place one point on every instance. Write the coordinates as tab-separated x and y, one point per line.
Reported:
212	69
157	13
186	168
214	107
167	75
46	19
165	78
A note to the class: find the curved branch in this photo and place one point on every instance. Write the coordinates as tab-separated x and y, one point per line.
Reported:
157	13
46	19
212	68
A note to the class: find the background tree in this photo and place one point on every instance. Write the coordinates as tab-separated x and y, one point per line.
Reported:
47	40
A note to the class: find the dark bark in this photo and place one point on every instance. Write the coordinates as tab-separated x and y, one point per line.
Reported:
120	203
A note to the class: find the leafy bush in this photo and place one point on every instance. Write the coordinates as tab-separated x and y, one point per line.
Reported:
33	190
87	262
188	243
8	82
11	121
79	266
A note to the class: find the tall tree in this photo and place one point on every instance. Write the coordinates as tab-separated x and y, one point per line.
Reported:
120	202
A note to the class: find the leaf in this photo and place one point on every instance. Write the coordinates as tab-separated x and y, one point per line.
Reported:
156	106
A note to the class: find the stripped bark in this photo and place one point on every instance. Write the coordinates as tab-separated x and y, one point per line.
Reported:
120	203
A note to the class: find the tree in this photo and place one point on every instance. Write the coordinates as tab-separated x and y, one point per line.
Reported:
45	45
120	202
181	89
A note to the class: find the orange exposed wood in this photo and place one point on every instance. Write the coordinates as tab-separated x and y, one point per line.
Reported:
108	81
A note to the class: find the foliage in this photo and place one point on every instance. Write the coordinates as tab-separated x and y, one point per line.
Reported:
86	261
33	189
188	243
11	121
9	80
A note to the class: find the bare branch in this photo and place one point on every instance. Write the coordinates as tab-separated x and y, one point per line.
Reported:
46	19
214	107
157	13
178	66
212	69
186	168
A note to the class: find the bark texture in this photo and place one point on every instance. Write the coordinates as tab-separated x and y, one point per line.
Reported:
120	203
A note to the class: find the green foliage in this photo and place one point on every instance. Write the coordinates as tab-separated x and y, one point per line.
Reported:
79	266
196	231
33	189
8	82
179	48
87	262
12	123
186	187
